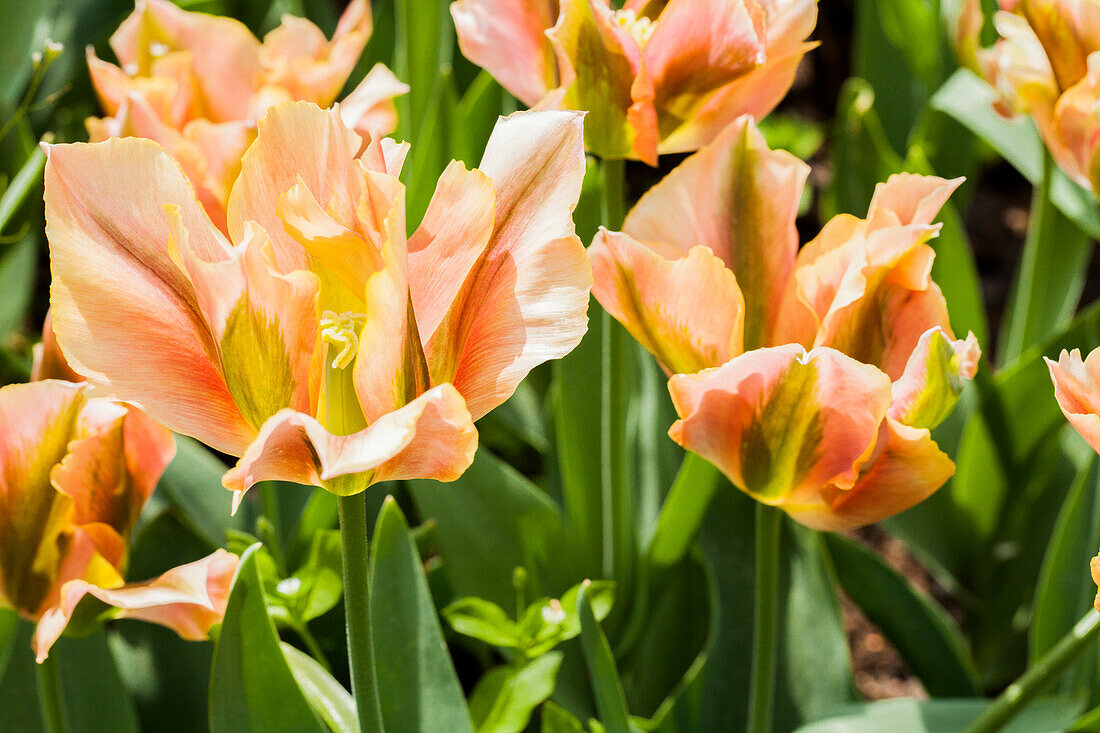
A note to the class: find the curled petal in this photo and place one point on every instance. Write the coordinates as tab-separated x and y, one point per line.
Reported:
49	362
933	379
782	422
907	198
124	314
369	108
1077	389
688	312
909	469
431	437
188	599
508	38
740	199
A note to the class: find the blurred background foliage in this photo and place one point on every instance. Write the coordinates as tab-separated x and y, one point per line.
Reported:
948	600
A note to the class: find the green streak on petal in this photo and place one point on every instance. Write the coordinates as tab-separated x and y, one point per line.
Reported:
941	388
256	365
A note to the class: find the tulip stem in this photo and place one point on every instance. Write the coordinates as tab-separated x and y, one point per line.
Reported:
764	626
614	194
353	536
50	704
1017	695
683	512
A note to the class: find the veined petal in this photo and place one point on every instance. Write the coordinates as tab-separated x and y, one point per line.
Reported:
188	599
296	142
527	302
431	437
49	362
780	422
908	470
225	55
907	198
113	85
1077	389
933	379
508	38
369	109
688	312
740	199
600	63
125	316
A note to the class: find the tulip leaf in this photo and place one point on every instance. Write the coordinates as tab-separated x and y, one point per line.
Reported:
503	700
610	699
328	697
95	697
28	177
936	716
556	719
192	483
18	265
252	687
417	686
921	631
1065	588
489	522
474	118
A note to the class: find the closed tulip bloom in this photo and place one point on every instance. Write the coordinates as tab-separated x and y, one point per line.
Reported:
196	83
74	475
1045	65
655	77
316	342
708	271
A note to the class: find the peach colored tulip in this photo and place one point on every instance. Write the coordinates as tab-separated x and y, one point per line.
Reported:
655	77
1094	567
824	437
74	475
708	265
1045	65
1077	389
317	343
196	83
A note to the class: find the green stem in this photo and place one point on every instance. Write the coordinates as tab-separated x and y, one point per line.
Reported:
1017	695
302	629
353	536
683	511
50	704
764	622
614	194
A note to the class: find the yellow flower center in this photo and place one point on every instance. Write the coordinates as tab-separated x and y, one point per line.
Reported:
342	331
640	29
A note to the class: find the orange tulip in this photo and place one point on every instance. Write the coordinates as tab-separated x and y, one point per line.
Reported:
1045	64
1077	389
74	475
708	266
318	344
196	83
1094	566
655	77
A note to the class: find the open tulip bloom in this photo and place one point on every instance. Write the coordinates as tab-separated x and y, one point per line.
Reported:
316	342
197	83
810	377
74	475
655	77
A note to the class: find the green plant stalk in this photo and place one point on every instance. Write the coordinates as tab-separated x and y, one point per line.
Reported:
50	704
764	621
683	511
1017	695
364	685
301	628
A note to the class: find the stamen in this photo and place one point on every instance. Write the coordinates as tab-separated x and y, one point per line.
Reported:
640	29
343	331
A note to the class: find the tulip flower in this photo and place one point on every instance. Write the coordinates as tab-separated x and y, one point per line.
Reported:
317	343
654	77
1077	389
196	83
74	475
1094	566
708	272
1045	65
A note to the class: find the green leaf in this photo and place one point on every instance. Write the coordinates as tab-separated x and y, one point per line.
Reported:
938	716
556	719
93	691
320	580
489	522
193	485
328	697
506	696
475	116
18	268
924	635
482	620
610	700
417	686
252	687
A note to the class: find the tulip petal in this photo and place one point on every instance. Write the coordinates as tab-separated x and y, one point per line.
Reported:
933	379
188	599
295	142
431	437
508	38
49	362
1077	389
124	314
688	312
369	109
780	422
907	198
910	468
740	199
528	300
